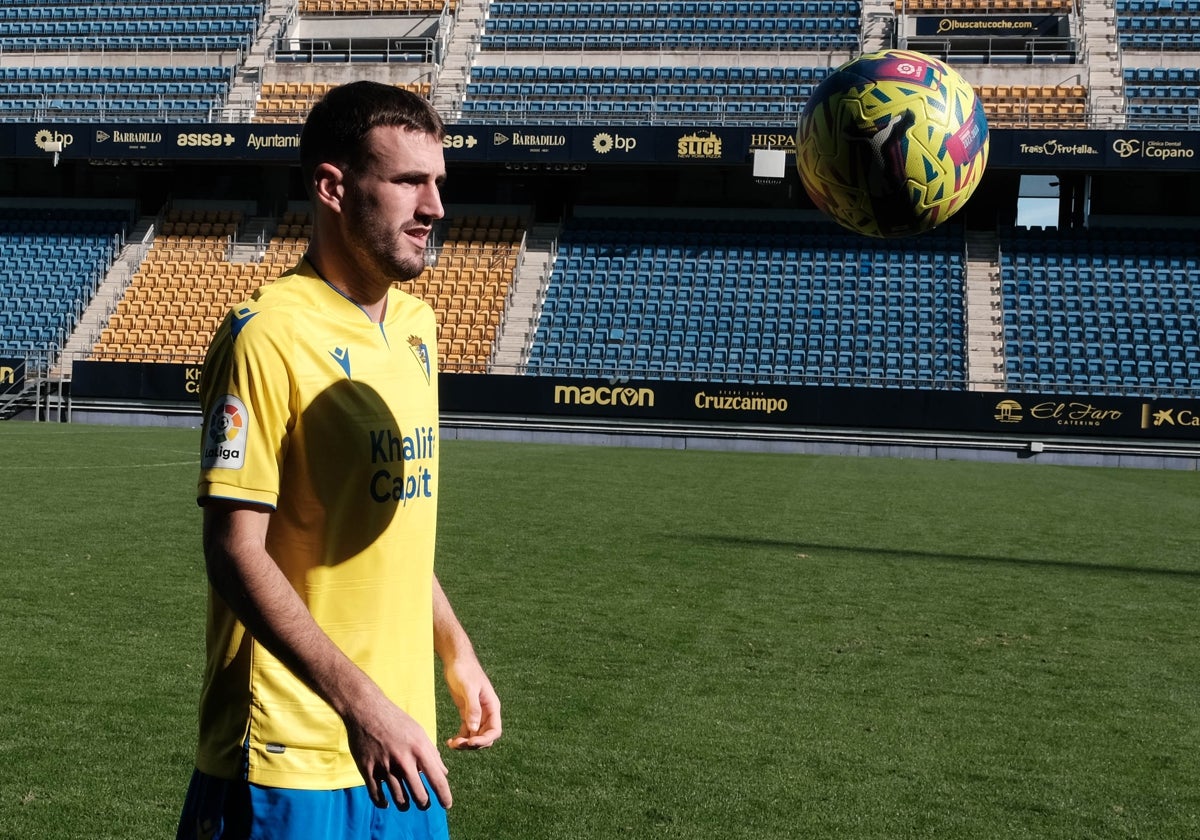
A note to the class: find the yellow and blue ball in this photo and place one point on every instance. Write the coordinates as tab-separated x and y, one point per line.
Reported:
892	143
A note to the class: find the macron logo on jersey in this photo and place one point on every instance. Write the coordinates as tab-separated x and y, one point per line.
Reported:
341	355
240	318
225	435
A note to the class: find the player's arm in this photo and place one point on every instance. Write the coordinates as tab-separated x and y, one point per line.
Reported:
388	745
477	702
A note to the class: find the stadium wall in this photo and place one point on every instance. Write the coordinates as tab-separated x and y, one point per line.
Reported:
1025	150
1055	428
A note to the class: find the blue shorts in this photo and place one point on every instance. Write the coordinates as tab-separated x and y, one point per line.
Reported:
216	809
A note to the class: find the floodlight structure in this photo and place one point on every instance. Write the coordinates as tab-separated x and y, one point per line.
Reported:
54	146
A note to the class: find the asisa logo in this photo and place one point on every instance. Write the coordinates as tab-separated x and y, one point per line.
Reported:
225	435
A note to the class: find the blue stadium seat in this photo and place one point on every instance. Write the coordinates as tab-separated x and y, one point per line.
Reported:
742	321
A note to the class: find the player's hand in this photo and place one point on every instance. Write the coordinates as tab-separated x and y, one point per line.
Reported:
478	705
392	751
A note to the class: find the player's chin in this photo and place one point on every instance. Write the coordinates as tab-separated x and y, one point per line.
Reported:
408	265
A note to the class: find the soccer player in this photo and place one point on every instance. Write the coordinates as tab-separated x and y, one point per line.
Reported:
319	487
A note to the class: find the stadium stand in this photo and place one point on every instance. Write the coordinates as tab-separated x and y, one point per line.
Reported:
183	288
469	287
77	61
752	302
977	6
373	7
1162	98
573	94
1101	310
1154	25
119	94
288	101
66	27
51	262
1043	106
672	24
188	281
747	304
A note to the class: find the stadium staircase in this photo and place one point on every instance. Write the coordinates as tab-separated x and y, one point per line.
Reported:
455	71
520	316
15	402
1105	82
243	93
878	24
984	324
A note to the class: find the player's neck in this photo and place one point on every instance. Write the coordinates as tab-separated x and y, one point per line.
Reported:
371	300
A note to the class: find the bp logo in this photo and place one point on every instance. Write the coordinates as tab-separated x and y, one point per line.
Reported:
603	143
225	444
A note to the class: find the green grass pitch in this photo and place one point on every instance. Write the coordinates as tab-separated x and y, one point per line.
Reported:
687	644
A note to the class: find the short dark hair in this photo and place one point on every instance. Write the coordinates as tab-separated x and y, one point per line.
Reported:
338	124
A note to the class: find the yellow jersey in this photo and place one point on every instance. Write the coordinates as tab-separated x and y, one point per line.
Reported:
329	419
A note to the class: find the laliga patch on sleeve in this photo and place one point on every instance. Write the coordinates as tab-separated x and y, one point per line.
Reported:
225	435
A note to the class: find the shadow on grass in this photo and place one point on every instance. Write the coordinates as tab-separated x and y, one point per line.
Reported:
909	554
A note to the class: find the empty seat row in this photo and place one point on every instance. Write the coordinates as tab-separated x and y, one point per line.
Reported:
674	8
638	90
60	110
648	74
114	89
170	11
1159	23
375	7
1167	91
528	42
1155	7
1162	75
126	43
666	112
977	6
646	26
1138	40
104	28
107	73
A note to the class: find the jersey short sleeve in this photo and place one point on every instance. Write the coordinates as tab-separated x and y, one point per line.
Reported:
247	399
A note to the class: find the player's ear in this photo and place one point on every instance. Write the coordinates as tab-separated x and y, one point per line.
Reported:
328	185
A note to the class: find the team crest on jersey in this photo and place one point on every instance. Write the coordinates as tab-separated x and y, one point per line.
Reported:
225	435
420	351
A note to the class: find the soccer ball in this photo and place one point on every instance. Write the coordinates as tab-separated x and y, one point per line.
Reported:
892	143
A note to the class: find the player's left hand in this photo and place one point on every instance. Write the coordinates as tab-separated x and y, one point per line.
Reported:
478	706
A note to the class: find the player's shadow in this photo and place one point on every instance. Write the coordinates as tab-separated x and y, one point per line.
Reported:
910	554
338	481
